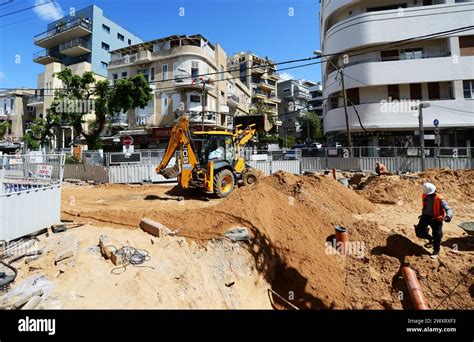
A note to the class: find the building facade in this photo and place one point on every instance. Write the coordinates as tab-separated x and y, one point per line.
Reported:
385	81
260	76
298	97
182	71
14	111
81	42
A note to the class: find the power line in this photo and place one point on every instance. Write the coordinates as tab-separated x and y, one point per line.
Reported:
25	9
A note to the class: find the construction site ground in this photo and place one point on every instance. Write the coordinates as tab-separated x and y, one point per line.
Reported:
291	222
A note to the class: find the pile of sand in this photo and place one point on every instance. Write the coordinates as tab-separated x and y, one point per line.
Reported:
289	217
452	184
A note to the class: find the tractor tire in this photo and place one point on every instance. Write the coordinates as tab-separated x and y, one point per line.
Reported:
250	178
224	183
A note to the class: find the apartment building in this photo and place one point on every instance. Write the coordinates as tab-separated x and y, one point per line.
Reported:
13	109
385	82
298	97
182	71
81	42
260	76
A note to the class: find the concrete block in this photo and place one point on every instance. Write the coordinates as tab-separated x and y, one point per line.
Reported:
104	245
154	228
32	303
22	301
67	248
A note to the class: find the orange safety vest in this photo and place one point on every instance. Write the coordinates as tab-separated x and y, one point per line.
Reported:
438	210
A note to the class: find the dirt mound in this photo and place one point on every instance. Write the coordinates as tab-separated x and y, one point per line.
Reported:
452	184
289	217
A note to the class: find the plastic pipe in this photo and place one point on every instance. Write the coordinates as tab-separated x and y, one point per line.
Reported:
416	293
341	238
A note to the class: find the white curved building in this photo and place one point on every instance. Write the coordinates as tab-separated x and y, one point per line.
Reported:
383	81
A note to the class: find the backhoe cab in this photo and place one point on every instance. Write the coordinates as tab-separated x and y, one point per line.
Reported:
208	160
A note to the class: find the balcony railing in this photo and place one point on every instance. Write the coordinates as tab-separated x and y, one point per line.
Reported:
35	99
401	58
45	53
124	60
85	23
210	118
119	119
73	43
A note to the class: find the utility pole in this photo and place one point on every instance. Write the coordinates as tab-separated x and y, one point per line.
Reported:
339	70
421	131
348	129
203	102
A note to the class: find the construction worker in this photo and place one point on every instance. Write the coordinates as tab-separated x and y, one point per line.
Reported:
435	211
380	168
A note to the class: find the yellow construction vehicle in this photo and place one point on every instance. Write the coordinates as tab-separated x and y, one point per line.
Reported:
208	160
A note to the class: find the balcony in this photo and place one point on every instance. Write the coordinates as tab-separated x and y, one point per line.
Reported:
232	100
75	47
195	117
258	69
265	86
273	75
143	56
195	84
273	99
79	27
35	100
45	57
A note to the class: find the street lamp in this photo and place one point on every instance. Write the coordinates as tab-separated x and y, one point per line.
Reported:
344	94
421	130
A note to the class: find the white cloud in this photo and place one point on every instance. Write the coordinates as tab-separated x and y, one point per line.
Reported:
286	76
3	77
48	10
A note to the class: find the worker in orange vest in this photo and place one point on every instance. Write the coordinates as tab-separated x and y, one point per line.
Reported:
435	211
380	168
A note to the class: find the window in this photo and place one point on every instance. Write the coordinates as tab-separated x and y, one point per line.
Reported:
120	37
124	74
433	91
466	45
286	90
389	55
105	28
164	72
104	65
129	42
195	98
415	91
393	91
194	69
115	76
413	53
105	46
152	73
468	87
353	96
386	8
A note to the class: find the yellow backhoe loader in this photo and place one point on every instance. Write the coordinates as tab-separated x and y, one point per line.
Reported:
208	160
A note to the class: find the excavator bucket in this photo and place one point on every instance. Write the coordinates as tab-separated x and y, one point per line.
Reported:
171	172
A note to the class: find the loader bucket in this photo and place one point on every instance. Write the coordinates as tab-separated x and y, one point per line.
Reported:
171	172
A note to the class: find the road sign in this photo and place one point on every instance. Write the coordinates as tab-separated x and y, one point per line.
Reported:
127	140
436	122
436	130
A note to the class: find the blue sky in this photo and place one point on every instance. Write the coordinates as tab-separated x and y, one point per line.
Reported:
265	27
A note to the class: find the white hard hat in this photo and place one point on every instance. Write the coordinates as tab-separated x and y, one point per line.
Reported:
428	188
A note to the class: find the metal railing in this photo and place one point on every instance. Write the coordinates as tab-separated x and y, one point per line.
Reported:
73	43
24	172
86	23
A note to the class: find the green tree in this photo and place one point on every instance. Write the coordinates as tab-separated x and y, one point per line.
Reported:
4	127
84	95
316	130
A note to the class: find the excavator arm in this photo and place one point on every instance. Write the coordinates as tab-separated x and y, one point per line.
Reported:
179	139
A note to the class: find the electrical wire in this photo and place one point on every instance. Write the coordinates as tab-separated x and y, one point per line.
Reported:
131	256
25	9
454	288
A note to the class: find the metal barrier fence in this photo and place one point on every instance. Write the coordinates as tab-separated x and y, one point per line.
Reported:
30	193
23	172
